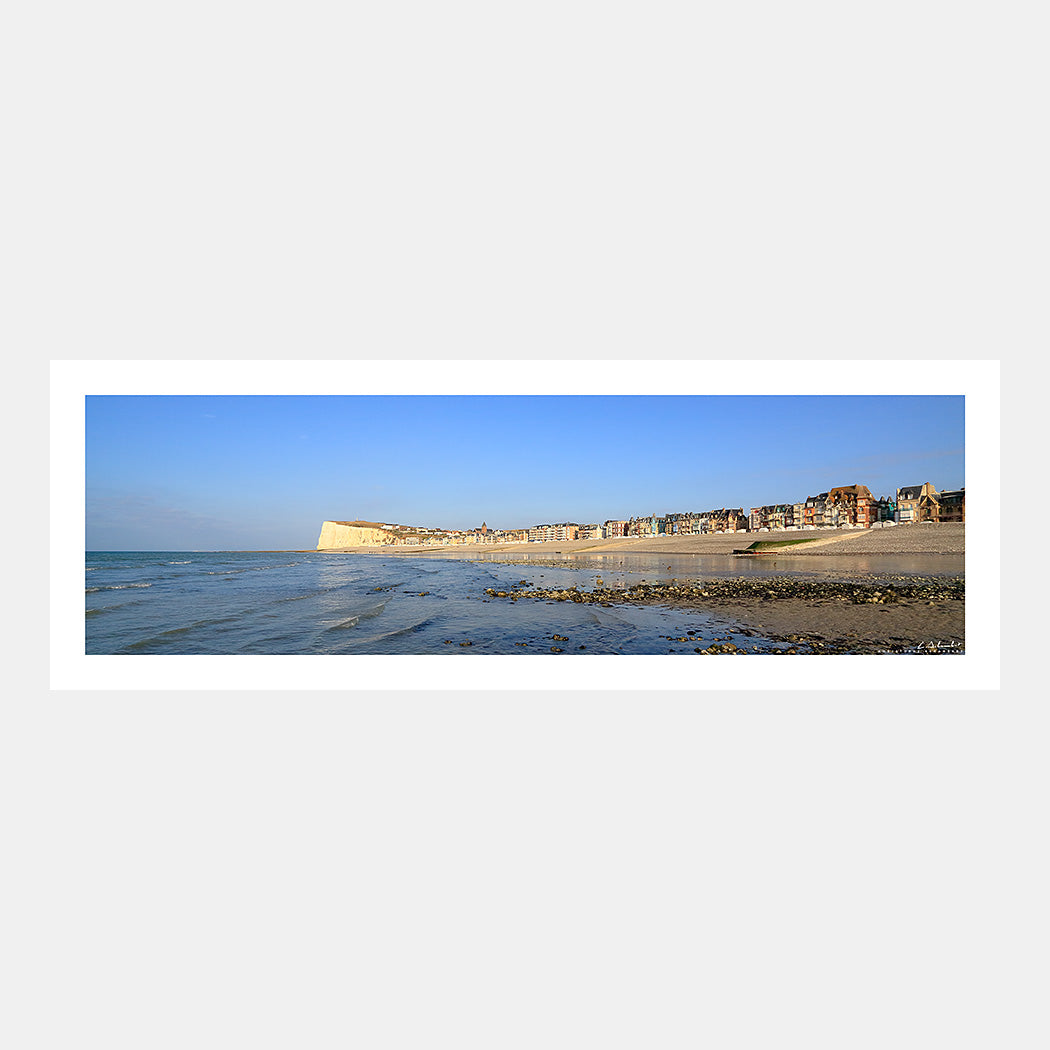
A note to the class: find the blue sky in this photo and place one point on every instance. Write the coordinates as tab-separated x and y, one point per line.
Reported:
216	472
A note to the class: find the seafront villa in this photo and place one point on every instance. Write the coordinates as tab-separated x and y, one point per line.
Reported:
924	503
844	507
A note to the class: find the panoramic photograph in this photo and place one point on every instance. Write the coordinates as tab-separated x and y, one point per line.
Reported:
529	525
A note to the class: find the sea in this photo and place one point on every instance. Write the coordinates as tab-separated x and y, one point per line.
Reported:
326	603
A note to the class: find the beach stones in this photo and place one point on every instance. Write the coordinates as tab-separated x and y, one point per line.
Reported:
727	649
739	589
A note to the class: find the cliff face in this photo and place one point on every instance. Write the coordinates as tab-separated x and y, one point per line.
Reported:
336	534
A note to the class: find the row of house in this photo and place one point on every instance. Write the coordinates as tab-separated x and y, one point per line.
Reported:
420	535
681	523
722	520
847	506
686	524
564	530
853	506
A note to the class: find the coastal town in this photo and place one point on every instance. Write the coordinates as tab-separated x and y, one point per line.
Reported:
842	507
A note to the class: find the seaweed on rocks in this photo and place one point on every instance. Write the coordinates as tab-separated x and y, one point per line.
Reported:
911	589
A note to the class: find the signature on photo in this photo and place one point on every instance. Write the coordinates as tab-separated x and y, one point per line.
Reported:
953	646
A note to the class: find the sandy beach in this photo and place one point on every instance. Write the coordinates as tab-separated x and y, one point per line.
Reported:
915	615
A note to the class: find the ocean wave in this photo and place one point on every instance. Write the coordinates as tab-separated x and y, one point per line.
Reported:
396	633
299	597
410	629
116	587
353	621
165	637
608	618
316	592
95	610
244	568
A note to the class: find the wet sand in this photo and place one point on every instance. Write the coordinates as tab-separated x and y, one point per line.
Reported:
907	614
830	626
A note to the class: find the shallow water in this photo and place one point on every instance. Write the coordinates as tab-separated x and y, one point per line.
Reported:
228	603
654	567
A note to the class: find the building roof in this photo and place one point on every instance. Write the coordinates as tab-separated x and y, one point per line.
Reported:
851	490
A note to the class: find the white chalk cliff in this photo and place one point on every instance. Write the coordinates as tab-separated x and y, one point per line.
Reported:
338	534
